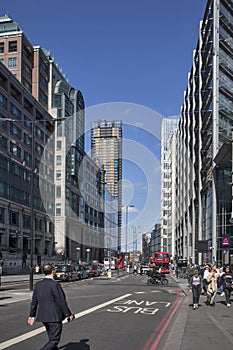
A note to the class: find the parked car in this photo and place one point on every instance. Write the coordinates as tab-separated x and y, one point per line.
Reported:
93	270
65	272
81	272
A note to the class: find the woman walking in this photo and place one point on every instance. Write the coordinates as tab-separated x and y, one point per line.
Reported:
196	283
227	280
204	281
212	289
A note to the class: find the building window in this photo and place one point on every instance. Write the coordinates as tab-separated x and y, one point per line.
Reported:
39	149
15	150
49	172
2	60
58	208
12	47
26	221
2	212
27	158
1	47
27	123
58	160
16	112
58	175
12	62
15	131
3	190
39	133
3	101
58	191
14	218
58	145
27	140
3	142
38	224
82	216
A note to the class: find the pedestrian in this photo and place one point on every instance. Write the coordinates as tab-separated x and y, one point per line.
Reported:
212	289
204	280
135	269
50	307
220	280
227	281
196	285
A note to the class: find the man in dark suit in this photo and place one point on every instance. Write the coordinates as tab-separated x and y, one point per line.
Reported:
49	306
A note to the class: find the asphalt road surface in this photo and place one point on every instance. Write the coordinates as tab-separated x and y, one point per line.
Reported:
111	314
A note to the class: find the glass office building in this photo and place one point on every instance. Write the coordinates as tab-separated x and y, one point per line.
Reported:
204	143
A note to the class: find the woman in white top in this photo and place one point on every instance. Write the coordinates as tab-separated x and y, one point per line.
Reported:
196	283
212	286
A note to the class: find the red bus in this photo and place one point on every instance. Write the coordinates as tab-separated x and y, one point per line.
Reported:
162	260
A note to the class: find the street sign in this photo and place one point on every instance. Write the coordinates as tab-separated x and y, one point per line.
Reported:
226	241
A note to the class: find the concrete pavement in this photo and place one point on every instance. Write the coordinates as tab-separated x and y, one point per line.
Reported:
205	328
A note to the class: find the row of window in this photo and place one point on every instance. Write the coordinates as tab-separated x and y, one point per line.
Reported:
12	62
12	46
14	220
18	195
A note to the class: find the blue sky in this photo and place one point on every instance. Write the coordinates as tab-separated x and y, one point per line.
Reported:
130	51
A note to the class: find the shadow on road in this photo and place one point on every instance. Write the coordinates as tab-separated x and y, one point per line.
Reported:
82	345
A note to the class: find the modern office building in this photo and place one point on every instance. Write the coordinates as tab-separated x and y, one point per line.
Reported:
204	229
167	129
25	127
155	240
106	148
66	200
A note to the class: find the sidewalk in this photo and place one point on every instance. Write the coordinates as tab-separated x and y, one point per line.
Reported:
10	294
205	328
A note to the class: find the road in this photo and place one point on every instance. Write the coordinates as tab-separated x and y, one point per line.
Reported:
114	313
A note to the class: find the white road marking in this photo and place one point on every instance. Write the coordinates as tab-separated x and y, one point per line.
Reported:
31	334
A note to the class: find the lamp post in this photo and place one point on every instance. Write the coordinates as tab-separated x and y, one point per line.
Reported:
32	206
78	255
88	255
135	241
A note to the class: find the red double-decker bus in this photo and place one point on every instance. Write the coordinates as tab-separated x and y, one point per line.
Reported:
162	260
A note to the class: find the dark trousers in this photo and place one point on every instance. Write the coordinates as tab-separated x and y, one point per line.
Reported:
205	285
196	293
227	292
53	330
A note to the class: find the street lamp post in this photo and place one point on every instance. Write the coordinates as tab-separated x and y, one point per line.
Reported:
32	206
78	255
88	255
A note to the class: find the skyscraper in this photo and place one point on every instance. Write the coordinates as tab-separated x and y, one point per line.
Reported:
106	148
168	126
204	139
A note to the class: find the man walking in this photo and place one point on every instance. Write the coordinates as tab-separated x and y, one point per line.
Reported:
49	306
